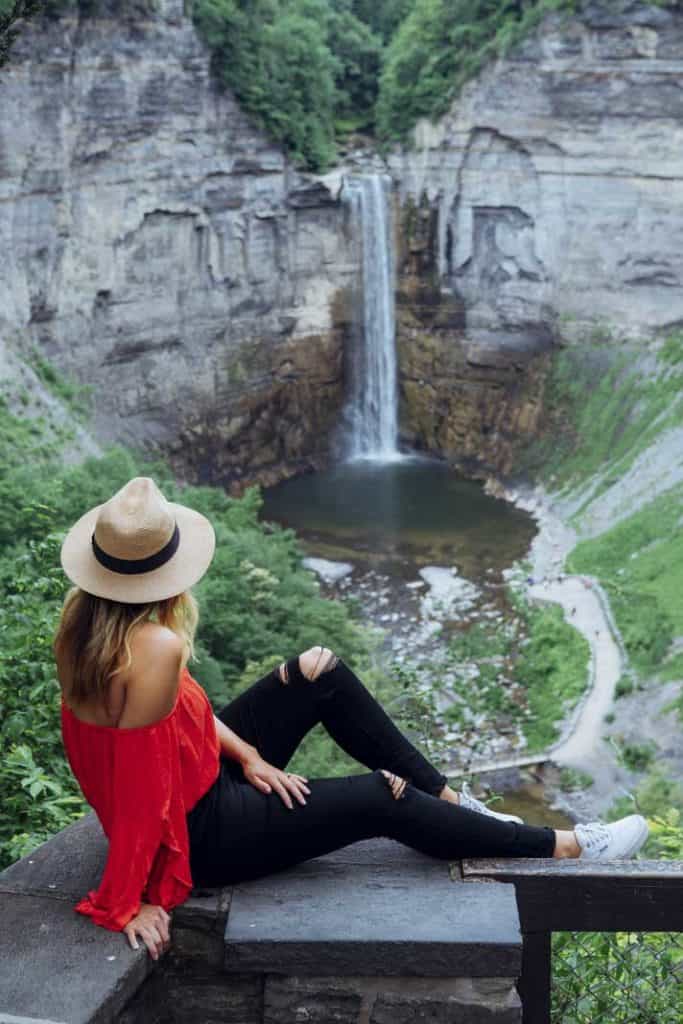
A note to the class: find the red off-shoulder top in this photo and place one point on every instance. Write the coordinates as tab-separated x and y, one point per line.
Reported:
141	783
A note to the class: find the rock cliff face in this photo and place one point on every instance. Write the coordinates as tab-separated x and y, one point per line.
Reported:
156	245
471	402
547	203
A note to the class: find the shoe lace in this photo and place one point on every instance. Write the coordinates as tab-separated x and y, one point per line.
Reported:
471	801
594	835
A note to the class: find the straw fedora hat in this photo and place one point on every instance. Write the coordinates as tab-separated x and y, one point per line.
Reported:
138	547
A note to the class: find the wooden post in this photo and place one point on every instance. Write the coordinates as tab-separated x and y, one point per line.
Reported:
534	981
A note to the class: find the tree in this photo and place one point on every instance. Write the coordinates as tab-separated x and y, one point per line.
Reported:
359	52
10	16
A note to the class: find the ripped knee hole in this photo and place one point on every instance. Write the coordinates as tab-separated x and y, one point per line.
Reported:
397	784
312	663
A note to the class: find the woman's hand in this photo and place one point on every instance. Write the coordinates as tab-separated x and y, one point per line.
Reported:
151	923
267	778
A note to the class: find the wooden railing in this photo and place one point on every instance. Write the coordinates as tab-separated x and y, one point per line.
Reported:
569	896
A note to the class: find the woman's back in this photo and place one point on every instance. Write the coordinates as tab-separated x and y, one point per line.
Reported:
145	691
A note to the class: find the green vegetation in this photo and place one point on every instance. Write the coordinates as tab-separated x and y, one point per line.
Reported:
12	12
39	794
551	664
601	413
637	756
439	46
553	669
76	397
653	796
275	57
311	72
572	778
639	562
625	685
524	674
673	669
600	416
261	600
591	968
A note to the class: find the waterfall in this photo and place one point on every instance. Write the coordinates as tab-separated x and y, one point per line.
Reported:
371	414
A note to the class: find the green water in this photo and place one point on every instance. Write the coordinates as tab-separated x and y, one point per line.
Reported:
399	516
529	802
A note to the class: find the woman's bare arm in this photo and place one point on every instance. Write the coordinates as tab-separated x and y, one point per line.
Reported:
232	745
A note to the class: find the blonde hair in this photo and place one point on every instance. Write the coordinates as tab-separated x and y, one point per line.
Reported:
92	641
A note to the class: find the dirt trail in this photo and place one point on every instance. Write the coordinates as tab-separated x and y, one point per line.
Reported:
582	744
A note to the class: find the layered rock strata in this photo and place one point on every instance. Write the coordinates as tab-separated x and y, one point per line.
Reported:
474	403
157	246
547	203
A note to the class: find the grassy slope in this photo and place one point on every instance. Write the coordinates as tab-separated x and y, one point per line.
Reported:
598	423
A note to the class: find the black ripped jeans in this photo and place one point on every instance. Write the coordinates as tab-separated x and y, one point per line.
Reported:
237	832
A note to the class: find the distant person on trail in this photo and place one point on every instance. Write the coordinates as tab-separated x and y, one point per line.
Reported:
187	797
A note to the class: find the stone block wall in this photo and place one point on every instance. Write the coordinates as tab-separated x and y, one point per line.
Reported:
372	1000
183	992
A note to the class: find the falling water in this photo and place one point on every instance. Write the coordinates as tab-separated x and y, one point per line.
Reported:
371	414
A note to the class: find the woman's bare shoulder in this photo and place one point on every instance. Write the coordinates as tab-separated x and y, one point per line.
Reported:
153	638
153	678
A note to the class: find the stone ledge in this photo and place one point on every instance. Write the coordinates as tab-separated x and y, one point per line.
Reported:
381	912
79	973
55	965
374	925
578	895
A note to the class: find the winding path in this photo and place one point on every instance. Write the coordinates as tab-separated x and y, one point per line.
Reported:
580	744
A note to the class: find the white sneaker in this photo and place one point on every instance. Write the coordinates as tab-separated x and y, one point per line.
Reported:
623	838
472	804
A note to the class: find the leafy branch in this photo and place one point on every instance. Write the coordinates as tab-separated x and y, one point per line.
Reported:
9	27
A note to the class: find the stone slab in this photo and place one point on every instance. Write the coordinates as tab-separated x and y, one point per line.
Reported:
78	969
10	1018
56	966
330	917
69	864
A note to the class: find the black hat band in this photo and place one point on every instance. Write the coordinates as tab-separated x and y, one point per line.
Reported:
134	566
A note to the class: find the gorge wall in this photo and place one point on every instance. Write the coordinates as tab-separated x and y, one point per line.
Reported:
546	205
157	245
